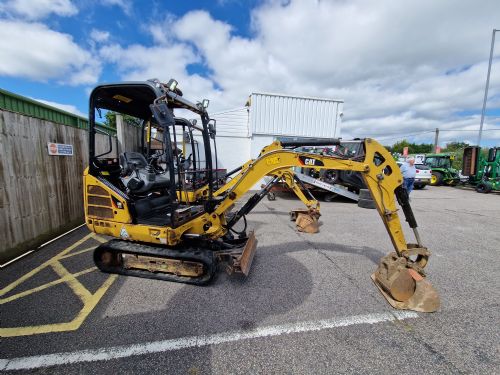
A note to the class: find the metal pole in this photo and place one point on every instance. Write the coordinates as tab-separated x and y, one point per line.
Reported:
486	88
436	140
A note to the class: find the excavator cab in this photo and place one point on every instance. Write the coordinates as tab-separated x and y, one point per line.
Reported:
150	175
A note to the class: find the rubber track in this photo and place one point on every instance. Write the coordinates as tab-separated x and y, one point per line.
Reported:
206	257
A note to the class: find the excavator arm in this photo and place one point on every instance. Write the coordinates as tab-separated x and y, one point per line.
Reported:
380	173
287	176
400	276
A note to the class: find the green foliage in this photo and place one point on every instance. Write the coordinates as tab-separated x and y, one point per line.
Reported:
413	148
456	148
111	120
399	146
484	152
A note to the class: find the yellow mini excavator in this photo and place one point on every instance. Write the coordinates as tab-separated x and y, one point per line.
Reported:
137	198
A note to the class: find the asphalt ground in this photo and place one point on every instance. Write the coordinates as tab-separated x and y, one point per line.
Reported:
307	307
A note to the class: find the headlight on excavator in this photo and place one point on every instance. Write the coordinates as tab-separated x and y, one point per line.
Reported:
172	84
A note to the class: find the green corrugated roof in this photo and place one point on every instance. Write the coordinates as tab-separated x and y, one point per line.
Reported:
29	107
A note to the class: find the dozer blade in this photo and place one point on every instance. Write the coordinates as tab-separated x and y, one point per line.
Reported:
243	262
403	287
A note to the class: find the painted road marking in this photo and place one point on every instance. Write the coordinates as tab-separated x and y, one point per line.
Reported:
88	299
44	286
77	253
116	352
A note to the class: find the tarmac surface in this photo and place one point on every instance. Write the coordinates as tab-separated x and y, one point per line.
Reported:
307	307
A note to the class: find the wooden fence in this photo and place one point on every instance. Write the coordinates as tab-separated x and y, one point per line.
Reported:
40	195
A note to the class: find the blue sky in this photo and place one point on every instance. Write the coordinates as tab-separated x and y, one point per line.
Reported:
125	22
401	69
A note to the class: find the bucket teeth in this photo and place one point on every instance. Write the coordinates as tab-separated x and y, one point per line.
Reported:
307	223
306	220
403	287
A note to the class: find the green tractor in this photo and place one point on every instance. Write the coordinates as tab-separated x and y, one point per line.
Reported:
483	172
442	171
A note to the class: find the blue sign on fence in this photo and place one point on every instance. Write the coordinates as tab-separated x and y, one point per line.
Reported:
60	149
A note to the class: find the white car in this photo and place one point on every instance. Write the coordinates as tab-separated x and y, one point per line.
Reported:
423	176
463	179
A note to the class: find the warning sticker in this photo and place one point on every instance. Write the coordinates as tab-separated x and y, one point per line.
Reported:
60	149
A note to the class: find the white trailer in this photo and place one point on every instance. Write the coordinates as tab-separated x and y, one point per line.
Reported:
243	132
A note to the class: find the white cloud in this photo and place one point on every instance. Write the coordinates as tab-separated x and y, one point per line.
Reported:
38	9
161	31
65	107
34	51
125	5
237	63
99	36
139	63
402	67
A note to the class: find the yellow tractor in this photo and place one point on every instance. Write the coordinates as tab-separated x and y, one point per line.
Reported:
137	198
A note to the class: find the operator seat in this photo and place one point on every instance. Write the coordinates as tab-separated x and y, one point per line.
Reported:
129	161
140	177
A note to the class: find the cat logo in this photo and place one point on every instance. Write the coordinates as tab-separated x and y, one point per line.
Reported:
310	161
273	160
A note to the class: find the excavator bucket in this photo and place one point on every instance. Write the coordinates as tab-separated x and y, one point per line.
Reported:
307	223
306	220
403	287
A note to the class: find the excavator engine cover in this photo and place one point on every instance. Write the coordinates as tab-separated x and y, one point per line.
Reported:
403	287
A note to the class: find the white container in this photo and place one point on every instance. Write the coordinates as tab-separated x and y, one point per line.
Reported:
242	132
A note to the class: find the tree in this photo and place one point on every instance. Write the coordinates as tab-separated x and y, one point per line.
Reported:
413	148
456	148
111	120
399	146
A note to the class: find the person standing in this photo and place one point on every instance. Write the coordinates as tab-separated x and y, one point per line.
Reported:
409	172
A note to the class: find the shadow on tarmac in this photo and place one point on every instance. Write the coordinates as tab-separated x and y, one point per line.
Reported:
277	284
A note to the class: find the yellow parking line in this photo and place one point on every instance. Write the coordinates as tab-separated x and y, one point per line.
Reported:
73	283
77	253
89	300
44	286
62	327
99	238
33	272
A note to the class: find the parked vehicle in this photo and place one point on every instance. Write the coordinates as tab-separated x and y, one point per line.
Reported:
482	172
423	176
442	171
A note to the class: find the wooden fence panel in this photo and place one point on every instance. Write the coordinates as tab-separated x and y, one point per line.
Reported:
40	195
